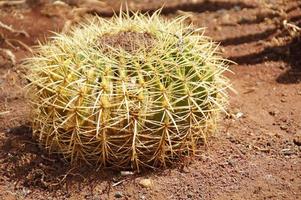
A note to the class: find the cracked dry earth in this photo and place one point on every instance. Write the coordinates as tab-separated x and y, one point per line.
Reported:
255	155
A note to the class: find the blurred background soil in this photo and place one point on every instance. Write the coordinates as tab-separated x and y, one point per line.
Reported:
255	155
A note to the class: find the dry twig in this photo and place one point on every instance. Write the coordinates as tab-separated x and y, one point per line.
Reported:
73	15
64	177
12	3
9	54
12	30
10	42
4	112
288	25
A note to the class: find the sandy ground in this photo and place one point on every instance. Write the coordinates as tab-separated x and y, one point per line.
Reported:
255	155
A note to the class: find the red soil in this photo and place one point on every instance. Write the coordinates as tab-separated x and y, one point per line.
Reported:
255	155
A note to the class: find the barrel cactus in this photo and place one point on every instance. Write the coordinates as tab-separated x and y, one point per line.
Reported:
133	91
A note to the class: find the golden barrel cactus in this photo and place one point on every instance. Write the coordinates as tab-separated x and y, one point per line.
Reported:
128	92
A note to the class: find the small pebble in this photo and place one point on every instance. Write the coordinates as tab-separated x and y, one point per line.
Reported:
189	195
274	112
146	183
126	173
283	100
118	194
239	115
237	8
297	138
283	127
287	152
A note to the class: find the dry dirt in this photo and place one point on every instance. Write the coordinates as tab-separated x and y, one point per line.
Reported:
255	155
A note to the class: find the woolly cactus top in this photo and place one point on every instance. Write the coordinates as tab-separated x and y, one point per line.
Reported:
126	92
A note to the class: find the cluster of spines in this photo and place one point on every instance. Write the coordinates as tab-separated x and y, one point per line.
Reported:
118	108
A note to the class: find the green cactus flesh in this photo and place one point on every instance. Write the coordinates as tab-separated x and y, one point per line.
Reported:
131	91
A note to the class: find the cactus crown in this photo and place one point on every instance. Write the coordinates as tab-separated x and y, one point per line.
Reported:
127	92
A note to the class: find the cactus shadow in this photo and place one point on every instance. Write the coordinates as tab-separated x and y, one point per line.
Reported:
24	163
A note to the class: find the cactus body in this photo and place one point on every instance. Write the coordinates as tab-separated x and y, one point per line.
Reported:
126	92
